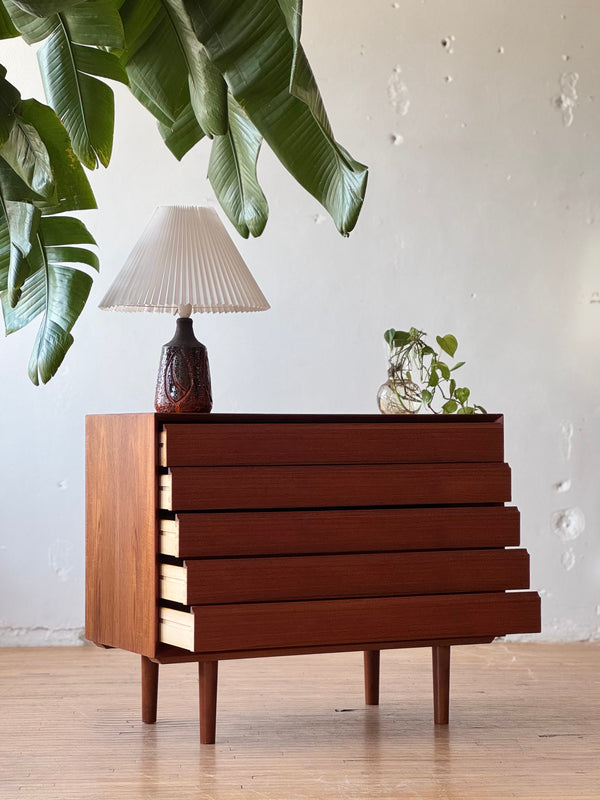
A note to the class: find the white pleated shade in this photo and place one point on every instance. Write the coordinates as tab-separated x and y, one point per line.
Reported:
184	257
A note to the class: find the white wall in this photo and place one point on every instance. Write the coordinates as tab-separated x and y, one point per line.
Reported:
482	218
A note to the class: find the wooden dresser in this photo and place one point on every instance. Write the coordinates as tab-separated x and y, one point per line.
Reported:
212	536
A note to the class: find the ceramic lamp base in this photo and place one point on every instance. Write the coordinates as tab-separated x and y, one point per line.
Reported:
183	384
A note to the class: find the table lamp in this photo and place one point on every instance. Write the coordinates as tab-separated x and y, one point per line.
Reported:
185	261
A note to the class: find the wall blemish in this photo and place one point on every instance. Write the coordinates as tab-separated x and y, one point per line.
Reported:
595	298
60	559
566	439
563	486
568	560
500	50
566	100
396	139
448	43
568	523
397	92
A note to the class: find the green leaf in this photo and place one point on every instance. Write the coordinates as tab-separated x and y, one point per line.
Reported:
427	351
481	409
426	396
452	386
43	8
450	407
32	28
154	59
389	336
26	154
458	366
448	343
401	338
58	231
258	70
462	395
84	104
7	29
55	291
72	188
232	173
208	90
99	62
183	134
466	410
9	100
433	378
444	369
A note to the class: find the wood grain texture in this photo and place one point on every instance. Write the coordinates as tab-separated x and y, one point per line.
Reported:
304	623
196	488
244	580
121	497
524	727
440	657
380	442
245	533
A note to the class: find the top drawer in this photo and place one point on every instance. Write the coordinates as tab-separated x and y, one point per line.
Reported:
438	440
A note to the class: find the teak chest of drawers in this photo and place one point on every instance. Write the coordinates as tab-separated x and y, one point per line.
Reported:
211	537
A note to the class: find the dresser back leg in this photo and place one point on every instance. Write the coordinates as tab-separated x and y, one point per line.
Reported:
149	690
441	683
207	680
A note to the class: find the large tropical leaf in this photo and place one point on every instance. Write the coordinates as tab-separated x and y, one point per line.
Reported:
208	90
84	104
54	290
72	190
9	99
250	43
43	8
25	152
232	173
154	59
183	134
7	29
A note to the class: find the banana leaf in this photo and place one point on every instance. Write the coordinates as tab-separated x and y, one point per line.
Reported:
232	173
54	290
250	43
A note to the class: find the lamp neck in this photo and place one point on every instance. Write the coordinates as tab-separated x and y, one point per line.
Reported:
184	334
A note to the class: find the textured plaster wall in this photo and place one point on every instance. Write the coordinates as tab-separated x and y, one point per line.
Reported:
481	125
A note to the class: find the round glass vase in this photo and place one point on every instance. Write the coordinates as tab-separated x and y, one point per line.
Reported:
397	396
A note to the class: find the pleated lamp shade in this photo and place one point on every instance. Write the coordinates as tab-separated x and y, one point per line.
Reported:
184	257
184	262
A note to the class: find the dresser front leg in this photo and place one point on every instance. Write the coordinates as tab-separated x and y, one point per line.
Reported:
441	684
371	658
149	690
207	679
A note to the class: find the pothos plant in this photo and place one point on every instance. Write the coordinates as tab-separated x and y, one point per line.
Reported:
418	376
230	71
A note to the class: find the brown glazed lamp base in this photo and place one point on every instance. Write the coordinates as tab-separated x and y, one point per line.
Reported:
183	384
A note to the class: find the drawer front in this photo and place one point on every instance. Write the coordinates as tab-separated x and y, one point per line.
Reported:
256	626
244	580
197	488
246	533
380	442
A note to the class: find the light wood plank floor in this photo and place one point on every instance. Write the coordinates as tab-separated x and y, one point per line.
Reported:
525	723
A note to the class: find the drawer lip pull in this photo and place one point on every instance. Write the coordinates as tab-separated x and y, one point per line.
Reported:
317	577
333	486
256	626
383	441
207	534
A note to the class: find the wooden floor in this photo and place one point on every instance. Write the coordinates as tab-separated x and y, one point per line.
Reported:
524	723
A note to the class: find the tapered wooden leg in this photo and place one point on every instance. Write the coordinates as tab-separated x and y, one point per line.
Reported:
441	684
207	677
149	690
371	677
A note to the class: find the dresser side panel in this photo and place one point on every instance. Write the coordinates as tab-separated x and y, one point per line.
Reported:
121	500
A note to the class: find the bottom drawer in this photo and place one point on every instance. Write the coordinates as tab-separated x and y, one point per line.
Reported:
256	626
